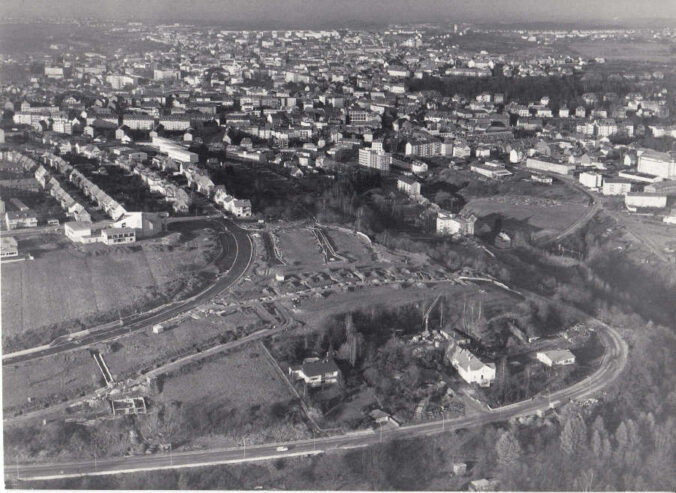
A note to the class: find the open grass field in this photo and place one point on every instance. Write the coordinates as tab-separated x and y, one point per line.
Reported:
349	245
314	310
639	51
549	215
144	349
239	379
66	374
237	395
66	283
299	247
72	373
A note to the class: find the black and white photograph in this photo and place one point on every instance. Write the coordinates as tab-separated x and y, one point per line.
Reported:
318	245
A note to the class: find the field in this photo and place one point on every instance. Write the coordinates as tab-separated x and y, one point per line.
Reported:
546	215
235	396
299	247
73	373
66	282
314	311
640	51
140	350
65	374
349	245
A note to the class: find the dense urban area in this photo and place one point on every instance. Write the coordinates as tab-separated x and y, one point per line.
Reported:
415	257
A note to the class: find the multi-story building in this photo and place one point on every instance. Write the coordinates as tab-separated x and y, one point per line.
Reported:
20	219
613	186
166	74
374	159
591	180
138	122
409	186
550	166
635	201
430	148
451	224
656	163
115	236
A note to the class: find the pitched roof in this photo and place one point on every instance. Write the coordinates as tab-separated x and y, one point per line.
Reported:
317	368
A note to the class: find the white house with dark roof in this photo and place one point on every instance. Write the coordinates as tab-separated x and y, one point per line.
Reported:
469	367
315	372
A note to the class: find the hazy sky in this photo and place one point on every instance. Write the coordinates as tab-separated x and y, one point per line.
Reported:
325	12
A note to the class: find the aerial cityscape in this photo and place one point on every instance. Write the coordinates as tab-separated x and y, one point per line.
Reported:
349	249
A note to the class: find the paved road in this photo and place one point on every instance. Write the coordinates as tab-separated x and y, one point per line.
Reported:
612	364
237	253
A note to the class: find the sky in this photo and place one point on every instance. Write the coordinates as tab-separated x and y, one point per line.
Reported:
327	13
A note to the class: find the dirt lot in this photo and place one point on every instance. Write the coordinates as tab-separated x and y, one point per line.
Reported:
299	247
67	282
349	245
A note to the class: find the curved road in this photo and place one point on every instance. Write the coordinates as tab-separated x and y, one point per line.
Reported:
237	253
595	206
612	364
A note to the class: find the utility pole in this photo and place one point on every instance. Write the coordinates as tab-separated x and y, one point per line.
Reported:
17	467
244	453
171	455
95	462
443	419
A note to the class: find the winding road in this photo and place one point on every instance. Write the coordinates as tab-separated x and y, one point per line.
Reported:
236	256
612	364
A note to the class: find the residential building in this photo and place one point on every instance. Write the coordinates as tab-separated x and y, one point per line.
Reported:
315	372
613	186
451	224
20	219
557	357
591	180
374	159
469	367
409	186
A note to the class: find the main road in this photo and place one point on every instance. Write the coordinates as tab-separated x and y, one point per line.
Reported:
611	366
236	255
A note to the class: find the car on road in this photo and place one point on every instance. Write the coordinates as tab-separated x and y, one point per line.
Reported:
282	449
